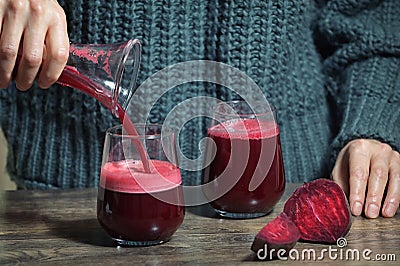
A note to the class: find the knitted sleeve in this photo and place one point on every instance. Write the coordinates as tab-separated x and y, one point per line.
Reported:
362	66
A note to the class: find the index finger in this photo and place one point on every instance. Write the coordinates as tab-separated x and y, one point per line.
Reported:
359	161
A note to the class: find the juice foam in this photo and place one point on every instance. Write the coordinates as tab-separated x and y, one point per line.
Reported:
129	176
245	129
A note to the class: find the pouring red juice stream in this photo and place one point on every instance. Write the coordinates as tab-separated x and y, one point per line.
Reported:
72	78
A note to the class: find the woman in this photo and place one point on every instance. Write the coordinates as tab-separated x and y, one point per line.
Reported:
330	68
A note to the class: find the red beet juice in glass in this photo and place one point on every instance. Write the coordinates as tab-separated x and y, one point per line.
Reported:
239	201
131	206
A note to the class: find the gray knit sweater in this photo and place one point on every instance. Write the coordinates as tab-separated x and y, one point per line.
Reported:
331	68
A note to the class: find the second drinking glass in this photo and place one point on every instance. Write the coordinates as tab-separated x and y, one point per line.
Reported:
244	174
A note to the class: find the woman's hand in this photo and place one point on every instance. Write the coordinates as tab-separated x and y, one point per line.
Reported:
38	29
369	173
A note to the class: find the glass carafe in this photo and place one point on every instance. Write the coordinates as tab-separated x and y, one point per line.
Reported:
107	72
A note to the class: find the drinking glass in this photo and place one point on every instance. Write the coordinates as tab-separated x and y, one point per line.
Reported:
244	170
138	207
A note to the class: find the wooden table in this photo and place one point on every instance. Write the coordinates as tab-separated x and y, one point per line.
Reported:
60	227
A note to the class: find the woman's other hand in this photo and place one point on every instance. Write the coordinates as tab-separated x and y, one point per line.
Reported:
369	173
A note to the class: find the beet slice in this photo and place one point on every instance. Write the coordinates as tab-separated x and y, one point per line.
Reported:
317	211
280	233
320	211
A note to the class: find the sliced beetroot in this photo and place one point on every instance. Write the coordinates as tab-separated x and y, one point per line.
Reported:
280	233
317	211
320	211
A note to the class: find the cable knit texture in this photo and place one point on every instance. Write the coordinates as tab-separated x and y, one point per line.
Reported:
331	68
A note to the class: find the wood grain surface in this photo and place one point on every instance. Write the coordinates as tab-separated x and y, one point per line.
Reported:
60	227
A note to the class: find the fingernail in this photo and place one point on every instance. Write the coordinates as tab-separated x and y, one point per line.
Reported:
357	208
373	210
390	209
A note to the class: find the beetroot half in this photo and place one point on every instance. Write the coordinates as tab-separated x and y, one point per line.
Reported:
280	233
320	211
317	211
